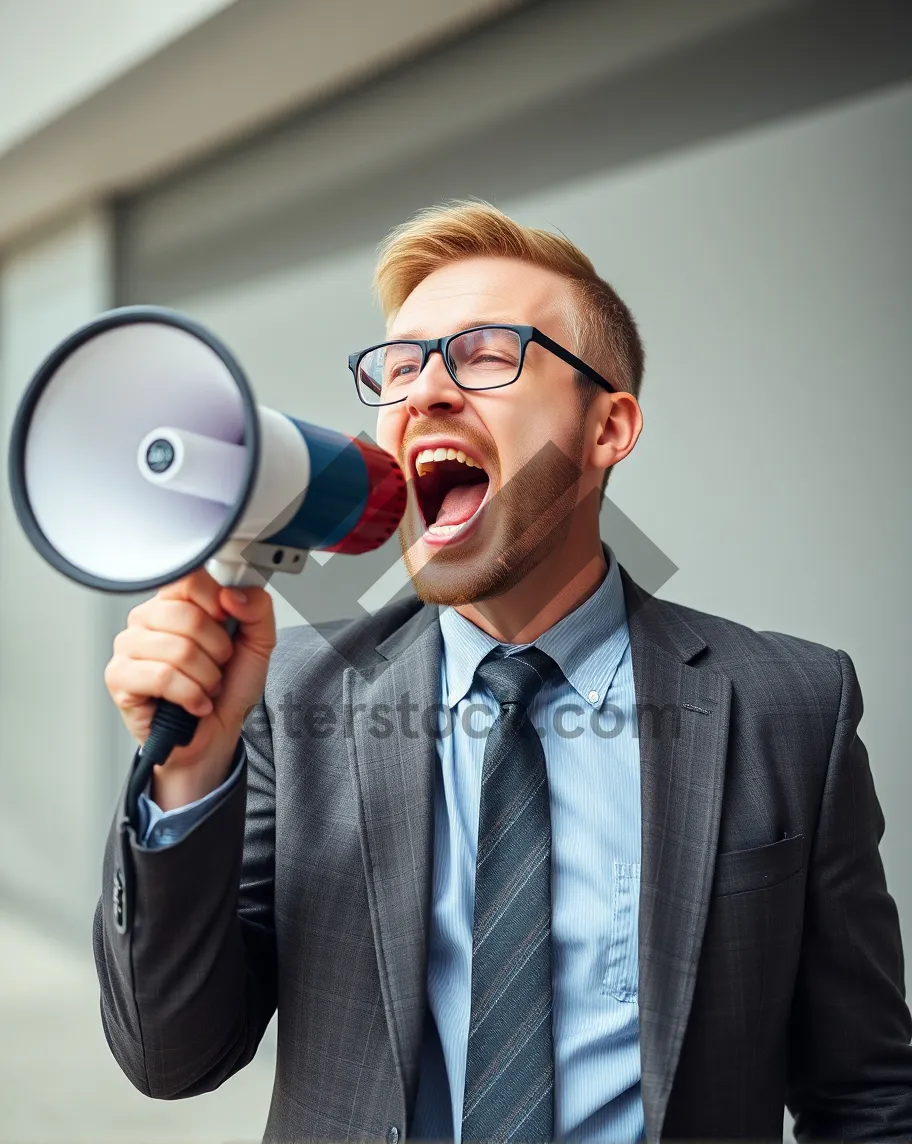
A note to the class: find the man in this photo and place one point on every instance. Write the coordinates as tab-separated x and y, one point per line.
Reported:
624	881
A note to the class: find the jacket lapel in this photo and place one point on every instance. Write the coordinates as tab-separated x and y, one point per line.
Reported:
683	714
393	776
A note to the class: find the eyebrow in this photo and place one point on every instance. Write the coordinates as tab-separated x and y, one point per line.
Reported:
420	335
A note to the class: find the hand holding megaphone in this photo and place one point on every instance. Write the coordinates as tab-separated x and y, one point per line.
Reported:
139	456
175	647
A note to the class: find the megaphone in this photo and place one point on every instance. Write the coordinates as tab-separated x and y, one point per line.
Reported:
139	454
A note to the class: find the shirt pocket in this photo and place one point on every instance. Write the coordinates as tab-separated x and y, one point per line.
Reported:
621	979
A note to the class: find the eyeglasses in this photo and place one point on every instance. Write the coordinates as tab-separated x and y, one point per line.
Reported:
483	357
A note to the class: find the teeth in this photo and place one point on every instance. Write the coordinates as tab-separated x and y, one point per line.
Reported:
427	457
443	529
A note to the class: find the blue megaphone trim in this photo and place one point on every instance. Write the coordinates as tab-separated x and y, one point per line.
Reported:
336	494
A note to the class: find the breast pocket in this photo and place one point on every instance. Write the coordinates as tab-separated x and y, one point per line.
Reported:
621	979
759	868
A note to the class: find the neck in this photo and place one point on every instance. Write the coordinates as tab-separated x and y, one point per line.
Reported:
551	590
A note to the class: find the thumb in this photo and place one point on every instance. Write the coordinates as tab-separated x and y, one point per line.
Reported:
244	677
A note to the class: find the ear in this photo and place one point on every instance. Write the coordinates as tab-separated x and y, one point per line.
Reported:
618	422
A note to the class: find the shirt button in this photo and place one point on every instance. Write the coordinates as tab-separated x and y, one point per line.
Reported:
593	696
393	1135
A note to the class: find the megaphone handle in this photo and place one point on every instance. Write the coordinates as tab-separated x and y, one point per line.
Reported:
172	726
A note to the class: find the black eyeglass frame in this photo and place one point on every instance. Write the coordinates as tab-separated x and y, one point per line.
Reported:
428	346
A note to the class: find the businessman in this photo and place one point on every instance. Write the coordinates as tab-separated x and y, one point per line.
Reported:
531	855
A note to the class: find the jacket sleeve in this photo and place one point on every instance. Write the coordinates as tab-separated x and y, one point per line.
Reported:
850	1061
188	980
157	827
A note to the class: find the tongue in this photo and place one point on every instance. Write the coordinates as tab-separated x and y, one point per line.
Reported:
461	502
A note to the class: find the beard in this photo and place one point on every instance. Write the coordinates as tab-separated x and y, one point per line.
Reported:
520	525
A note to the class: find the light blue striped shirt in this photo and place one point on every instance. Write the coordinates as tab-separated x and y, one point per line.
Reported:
586	717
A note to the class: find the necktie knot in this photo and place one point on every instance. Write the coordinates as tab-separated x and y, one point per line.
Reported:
516	678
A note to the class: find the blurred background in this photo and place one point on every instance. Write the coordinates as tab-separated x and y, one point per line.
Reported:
740	170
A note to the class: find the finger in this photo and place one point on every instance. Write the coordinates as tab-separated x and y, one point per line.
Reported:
200	588
185	619
132	682
176	650
139	719
256	614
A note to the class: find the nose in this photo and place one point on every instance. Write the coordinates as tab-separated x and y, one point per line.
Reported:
433	390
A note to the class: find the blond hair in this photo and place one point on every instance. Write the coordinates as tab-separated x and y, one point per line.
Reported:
601	325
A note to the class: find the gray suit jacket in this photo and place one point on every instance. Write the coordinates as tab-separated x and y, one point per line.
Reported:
771	967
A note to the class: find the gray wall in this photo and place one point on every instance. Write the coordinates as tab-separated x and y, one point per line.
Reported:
770	267
55	767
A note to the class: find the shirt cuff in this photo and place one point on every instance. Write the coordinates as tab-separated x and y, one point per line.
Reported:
158	828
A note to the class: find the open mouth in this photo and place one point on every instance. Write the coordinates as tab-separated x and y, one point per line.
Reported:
451	486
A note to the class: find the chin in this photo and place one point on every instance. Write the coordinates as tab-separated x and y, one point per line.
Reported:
455	573
493	560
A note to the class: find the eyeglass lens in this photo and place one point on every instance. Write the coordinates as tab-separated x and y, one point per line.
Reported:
479	359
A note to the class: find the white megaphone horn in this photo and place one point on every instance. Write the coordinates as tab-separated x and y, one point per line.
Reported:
139	454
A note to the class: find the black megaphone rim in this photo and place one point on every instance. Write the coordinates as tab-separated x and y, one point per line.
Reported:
111	319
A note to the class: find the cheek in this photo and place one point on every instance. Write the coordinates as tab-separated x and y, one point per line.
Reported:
390	430
519	439
557	422
544	449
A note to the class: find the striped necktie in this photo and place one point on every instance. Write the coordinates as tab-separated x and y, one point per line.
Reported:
509	1091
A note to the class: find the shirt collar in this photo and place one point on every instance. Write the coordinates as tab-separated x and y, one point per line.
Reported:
587	663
